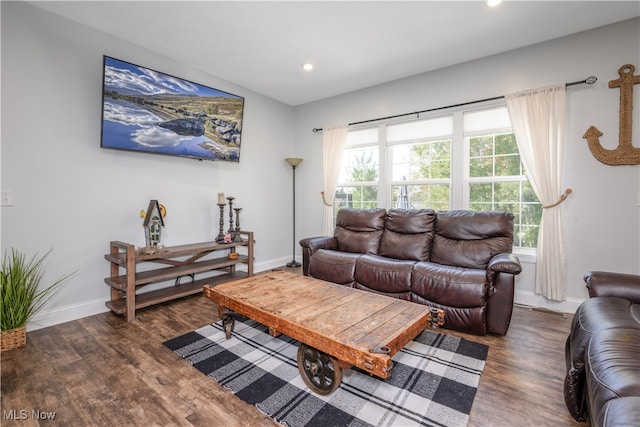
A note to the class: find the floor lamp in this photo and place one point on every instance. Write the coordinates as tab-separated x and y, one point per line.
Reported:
294	162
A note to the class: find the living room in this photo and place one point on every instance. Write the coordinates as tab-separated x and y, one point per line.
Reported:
71	196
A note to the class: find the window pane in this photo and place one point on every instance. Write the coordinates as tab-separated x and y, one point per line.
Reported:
435	196
359	165
480	167
421	161
507	165
526	236
481	206
441	170
506	144
531	213
481	146
528	195
343	199
481	193
441	150
365	197
356	197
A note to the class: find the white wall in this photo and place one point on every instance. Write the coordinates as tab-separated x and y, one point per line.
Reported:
601	217
74	197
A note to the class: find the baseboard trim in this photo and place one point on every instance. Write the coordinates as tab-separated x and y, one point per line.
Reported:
67	314
530	299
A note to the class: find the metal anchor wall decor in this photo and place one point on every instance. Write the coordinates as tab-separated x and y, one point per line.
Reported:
625	153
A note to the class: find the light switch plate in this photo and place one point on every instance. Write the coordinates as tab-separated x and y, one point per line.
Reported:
6	198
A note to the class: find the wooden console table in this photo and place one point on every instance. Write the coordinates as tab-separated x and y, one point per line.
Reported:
179	261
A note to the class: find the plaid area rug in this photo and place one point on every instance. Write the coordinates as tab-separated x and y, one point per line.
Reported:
433	381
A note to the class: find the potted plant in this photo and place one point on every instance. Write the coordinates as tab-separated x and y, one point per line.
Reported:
21	295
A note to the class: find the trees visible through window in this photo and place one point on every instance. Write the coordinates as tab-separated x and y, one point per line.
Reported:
359	175
413	165
420	158
496	178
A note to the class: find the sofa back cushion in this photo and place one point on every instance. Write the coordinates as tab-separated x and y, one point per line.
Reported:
359	230
470	239
408	234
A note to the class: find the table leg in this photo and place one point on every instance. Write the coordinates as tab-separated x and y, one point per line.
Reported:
228	323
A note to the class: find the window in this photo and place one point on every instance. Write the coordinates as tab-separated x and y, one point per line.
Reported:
360	171
463	160
420	158
495	176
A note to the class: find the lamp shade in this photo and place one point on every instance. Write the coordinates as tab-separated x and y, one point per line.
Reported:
293	162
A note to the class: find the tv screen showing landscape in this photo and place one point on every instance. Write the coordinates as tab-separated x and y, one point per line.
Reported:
147	111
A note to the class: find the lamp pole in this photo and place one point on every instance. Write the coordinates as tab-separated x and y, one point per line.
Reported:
294	163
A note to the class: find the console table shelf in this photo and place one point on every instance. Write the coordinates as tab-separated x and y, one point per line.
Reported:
177	261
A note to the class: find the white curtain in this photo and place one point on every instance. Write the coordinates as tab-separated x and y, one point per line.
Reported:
538	120
333	142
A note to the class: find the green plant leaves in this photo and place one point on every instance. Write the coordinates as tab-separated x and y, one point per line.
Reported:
21	296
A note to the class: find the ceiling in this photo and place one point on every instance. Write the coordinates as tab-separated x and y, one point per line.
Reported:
261	45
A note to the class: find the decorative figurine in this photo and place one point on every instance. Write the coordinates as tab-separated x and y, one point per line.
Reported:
237	237
231	230
220	236
153	223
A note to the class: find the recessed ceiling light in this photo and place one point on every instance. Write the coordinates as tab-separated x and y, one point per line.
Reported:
493	3
307	66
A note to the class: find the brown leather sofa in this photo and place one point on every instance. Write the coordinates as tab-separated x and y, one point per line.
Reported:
603	352
459	261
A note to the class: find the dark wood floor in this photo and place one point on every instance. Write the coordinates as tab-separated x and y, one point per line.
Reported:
103	371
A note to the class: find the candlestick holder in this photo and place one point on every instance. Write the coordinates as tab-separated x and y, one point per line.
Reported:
237	237
231	230
220	237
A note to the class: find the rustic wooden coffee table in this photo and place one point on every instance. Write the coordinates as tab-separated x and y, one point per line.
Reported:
337	326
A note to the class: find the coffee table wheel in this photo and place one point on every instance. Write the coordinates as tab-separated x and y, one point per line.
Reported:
228	323
320	372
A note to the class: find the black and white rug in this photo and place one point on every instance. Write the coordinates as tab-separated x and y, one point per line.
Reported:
433	381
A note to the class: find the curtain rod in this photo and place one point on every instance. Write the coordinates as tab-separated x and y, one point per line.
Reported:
589	80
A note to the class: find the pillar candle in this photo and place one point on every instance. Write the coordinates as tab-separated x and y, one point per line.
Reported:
221	199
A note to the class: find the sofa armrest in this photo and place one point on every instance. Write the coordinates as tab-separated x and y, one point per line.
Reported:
502	263
312	244
610	284
321	242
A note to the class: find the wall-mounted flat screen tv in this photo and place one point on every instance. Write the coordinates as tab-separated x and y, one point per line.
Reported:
148	111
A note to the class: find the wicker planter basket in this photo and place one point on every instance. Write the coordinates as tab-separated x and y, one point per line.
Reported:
14	338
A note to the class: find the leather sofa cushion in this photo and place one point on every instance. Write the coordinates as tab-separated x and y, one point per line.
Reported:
460	292
333	266
450	286
393	277
358	230
470	239
621	412
408	234
594	315
470	320
613	368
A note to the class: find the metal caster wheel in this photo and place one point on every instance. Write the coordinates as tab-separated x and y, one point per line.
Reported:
319	371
